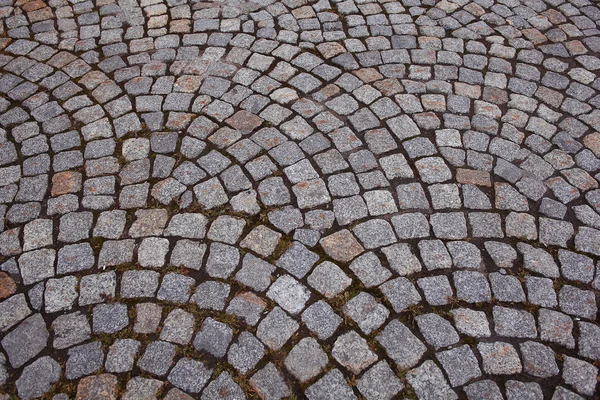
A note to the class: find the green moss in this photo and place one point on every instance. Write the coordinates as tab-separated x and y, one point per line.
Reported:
284	243
96	242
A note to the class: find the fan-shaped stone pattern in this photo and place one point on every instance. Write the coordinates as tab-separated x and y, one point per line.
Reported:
326	199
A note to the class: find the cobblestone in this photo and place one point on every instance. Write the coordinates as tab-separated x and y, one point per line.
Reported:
329	200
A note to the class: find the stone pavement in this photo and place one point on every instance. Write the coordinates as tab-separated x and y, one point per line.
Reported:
357	199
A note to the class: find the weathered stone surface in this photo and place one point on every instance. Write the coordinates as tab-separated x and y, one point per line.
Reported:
102	387
38	377
189	375
341	246
231	185
401	344
352	351
26	341
306	359
429	382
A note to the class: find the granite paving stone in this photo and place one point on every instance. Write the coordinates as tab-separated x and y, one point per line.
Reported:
429	382
306	359
301	198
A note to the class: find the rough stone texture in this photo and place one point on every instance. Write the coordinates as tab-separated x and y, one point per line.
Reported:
332	385
101	387
379	382
189	375
121	355
139	387
290	294
460	364
499	358
366	312
352	351
580	374
245	352
213	337
401	345
26	341
84	360
276	328
269	383
429	382
405	185
306	359
538	360
223	387
38	377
